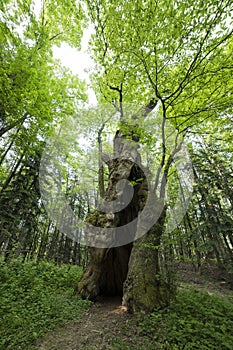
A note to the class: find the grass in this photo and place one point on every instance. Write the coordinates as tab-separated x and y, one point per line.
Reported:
195	320
36	298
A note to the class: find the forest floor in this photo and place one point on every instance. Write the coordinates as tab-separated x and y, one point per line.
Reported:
107	325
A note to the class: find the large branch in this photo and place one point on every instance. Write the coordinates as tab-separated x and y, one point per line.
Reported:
145	110
12	125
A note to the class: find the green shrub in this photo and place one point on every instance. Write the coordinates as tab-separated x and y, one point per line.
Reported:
35	298
195	320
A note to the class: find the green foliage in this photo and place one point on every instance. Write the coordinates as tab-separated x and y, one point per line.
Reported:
36	93
43	23
119	344
36	297
195	320
177	51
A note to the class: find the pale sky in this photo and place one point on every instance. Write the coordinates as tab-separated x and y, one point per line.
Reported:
78	61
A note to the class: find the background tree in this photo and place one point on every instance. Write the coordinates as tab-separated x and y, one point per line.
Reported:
36	93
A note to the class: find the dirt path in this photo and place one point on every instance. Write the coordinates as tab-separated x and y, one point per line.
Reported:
97	329
107	323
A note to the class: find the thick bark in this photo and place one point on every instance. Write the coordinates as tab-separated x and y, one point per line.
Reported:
130	270
145	287
107	267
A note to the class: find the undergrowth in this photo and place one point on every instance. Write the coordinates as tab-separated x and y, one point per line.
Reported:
36	298
195	320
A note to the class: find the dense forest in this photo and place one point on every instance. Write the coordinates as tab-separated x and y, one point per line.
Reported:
75	175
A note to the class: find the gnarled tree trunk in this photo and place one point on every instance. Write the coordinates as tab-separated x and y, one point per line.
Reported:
130	270
145	287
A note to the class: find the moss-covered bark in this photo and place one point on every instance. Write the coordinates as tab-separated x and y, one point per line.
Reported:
131	270
145	287
107	268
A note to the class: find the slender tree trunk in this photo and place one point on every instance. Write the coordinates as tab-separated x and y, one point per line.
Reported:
9	147
12	173
52	251
67	250
12	125
44	241
101	166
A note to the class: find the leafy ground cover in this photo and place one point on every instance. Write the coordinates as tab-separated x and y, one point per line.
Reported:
195	320
35	298
39	298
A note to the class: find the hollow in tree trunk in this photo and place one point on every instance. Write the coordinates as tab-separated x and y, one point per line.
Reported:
131	270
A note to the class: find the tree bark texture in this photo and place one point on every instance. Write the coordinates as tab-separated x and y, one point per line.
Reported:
131	270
